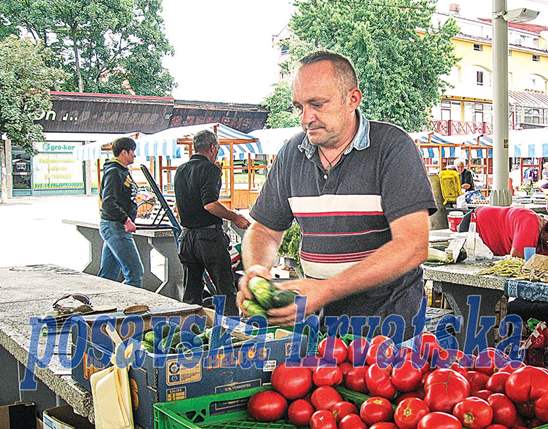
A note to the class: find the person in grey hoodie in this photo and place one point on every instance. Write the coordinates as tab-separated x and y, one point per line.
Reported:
118	213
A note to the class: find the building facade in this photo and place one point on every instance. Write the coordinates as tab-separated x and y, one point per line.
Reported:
466	107
76	119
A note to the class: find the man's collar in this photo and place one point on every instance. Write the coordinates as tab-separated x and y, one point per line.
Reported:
361	139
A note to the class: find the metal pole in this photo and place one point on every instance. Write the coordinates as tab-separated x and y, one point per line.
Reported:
500	195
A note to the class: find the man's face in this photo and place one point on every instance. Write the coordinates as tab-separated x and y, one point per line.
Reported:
326	111
128	156
460	168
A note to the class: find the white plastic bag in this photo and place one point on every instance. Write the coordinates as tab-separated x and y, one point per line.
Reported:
476	248
461	202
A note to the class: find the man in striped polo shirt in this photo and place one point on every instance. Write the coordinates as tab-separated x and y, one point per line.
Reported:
360	193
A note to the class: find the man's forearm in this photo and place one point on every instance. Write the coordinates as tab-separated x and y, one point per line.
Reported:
388	263
260	246
219	210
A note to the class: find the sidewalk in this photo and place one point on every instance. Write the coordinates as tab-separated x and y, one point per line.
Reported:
32	232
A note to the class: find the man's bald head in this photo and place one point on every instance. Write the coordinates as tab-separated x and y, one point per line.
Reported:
343	68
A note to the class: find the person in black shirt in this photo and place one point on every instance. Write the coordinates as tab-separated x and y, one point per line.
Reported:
118	212
466	177
203	244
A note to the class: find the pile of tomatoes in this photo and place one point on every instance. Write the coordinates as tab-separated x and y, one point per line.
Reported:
466	392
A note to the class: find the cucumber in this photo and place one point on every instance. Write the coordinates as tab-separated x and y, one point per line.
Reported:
282	298
148	346
253	309
169	326
149	337
262	291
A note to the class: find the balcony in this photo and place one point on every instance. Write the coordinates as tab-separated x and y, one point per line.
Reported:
452	128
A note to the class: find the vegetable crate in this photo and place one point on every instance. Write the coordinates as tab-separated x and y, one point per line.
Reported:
200	413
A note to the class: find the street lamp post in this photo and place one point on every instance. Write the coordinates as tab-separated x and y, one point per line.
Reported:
500	194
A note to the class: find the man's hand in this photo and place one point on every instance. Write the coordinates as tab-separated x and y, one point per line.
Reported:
244	292
241	222
129	226
313	290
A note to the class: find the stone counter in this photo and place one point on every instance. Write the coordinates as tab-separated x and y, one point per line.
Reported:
30	291
464	274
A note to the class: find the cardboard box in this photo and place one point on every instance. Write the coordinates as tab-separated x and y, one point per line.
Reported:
18	416
64	418
172	381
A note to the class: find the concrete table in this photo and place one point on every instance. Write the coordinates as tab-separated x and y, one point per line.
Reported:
30	291
458	281
161	240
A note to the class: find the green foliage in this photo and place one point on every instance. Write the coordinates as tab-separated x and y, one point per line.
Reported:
399	55
281	113
291	242
25	81
111	46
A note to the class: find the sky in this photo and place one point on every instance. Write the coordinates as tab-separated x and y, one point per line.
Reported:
224	50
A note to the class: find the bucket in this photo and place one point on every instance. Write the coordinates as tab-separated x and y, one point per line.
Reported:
454	219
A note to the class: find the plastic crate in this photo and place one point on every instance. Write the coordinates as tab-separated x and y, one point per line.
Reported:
197	413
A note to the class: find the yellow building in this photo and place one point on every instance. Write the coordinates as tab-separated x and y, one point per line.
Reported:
466	107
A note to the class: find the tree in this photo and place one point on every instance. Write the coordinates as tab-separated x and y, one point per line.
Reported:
281	113
25	82
112	46
400	56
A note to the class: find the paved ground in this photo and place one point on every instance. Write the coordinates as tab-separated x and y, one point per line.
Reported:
32	231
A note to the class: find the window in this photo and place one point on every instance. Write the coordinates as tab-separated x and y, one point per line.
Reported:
536	58
478	47
532	116
479	78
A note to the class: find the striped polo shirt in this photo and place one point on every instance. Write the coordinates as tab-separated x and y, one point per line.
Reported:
345	213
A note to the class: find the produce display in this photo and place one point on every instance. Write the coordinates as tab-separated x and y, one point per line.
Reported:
173	341
474	392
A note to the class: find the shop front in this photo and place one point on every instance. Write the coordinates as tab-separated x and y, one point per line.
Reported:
53	170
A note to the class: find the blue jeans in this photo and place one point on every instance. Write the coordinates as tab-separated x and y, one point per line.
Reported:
120	255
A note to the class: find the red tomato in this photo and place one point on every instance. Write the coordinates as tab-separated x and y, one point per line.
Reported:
541	408
378	381
267	406
483	394
526	384
504	411
474	413
444	388
322	419
333	350
428	343
324	397
357	351
526	409
343	408
352	421
355	379
489	360
376	409
419	394
512	366
409	411
299	412
497	381
405	377
327	376
291	382
478	380
439	420
382	350
346	367
496	426
383	425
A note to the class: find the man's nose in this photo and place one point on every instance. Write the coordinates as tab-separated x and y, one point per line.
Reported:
307	116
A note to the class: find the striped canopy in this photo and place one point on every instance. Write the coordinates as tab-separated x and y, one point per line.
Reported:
531	143
164	143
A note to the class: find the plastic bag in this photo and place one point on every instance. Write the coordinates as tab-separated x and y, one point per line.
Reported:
476	248
461	202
